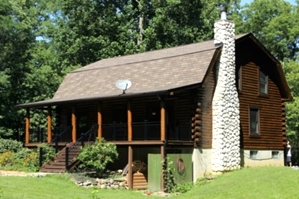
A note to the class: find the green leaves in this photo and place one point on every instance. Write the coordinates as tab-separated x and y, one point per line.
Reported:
98	155
275	24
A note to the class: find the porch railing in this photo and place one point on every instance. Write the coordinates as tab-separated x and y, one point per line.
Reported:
61	134
90	135
179	131
115	131
37	135
146	130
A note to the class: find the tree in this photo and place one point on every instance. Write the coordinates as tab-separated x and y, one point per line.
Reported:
291	69
274	23
17	26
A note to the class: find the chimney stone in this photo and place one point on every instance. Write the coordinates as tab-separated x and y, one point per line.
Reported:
226	119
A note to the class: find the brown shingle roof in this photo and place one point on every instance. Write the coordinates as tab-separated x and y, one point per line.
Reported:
150	71
153	71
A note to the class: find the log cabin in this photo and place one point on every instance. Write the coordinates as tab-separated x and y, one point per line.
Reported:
211	106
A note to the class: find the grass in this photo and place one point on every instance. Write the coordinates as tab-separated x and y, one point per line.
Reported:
261	182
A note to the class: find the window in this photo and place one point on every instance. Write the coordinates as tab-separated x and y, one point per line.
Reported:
254	121
263	86
239	79
275	154
253	155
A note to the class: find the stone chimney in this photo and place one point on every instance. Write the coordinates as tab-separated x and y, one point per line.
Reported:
226	119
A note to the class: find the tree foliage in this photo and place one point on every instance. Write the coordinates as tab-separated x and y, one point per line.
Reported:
274	23
43	40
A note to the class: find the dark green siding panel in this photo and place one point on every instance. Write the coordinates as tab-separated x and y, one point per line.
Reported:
154	172
182	167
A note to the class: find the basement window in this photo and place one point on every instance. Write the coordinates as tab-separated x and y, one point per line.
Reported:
253	155
275	154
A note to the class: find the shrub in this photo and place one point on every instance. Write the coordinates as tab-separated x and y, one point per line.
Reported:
7	159
48	152
10	145
30	162
97	155
183	187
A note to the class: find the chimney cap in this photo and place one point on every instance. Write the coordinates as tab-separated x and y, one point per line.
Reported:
223	12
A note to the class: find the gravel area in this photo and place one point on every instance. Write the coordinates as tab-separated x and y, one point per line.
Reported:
21	173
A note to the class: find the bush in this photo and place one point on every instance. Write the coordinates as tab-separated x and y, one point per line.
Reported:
97	155
13	156
31	161
10	145
48	152
7	159
184	187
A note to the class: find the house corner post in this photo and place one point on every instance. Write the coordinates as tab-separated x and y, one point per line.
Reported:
27	126
49	132
100	133
74	125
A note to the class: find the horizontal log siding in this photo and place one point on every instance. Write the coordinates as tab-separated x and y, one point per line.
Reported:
183	114
205	97
271	134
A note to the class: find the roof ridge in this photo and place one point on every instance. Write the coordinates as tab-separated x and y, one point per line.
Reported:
142	61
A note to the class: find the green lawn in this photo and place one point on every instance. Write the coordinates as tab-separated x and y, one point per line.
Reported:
263	182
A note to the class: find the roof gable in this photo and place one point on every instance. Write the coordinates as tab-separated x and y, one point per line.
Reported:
249	46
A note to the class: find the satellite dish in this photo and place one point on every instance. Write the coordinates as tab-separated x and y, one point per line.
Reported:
123	85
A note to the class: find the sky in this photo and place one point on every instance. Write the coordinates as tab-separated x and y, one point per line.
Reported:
243	2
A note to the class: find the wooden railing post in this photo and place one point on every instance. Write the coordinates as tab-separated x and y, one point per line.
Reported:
66	158
40	156
82	139
56	142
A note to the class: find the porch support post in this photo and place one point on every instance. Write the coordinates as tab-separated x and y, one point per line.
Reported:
162	130
74	125
99	121
130	162
163	165
49	124
27	125
130	133
163	117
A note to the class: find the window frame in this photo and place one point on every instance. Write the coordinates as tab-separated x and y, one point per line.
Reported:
264	84
257	121
275	154
253	154
239	79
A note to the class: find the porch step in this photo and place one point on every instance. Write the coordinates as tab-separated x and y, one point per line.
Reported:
57	165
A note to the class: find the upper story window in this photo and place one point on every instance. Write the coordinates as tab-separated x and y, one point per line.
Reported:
254	121
239	79
263	84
